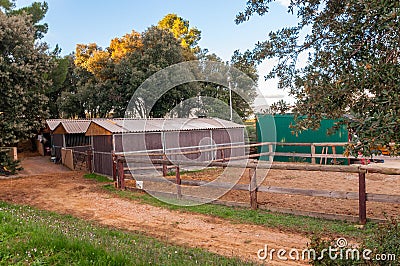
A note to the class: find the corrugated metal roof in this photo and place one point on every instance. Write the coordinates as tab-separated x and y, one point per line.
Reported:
120	125
174	124
109	125
75	126
53	123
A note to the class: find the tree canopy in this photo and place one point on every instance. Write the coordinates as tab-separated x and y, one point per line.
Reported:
353	66
106	78
23	81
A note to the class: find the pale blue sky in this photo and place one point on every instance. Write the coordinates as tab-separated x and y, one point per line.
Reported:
85	21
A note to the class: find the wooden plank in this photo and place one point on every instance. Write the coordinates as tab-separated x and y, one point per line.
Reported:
383	198
96	130
310	192
60	130
284	166
381	170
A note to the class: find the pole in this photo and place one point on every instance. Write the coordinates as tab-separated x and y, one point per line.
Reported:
253	188
178	182
362	198
230	99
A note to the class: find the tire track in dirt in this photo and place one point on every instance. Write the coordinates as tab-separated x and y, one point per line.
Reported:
69	193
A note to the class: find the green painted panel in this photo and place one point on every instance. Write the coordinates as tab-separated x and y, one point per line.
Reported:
285	134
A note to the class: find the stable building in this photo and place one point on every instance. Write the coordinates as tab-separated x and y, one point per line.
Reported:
166	136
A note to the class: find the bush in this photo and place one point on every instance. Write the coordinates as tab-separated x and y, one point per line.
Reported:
7	165
382	247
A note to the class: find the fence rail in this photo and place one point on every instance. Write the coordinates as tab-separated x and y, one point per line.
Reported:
121	172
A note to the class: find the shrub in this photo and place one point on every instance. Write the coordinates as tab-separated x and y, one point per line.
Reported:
7	165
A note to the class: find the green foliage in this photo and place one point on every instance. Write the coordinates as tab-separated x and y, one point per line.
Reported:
23	83
216	97
105	85
58	77
7	5
7	165
33	237
353	64
384	241
36	12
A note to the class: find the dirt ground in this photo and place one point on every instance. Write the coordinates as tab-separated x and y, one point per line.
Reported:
53	187
71	194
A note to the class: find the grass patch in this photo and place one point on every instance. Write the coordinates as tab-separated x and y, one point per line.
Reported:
98	178
34	237
285	222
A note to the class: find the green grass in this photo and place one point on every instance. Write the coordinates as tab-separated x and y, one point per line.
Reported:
32	237
98	178
286	222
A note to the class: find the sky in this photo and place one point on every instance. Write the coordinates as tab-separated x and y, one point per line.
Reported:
74	22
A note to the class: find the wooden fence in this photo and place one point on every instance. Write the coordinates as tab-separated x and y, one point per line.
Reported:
121	172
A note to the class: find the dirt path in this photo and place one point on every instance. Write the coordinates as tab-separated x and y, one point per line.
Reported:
70	193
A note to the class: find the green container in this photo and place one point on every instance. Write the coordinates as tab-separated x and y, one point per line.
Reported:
276	128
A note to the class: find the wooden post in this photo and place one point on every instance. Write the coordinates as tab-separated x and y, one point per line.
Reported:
223	157
362	198
313	154
89	160
334	153
270	149
114	167
120	173
253	188
164	167
321	158
178	182
326	154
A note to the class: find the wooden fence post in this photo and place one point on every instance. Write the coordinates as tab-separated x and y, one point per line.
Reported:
89	160
313	161
223	157
270	149
114	167
334	153
178	182
253	188
120	178
164	167
362	198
